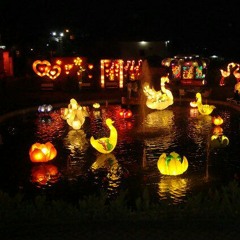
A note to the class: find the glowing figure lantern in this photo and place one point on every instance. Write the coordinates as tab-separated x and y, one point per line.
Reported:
42	152
172	164
158	99
204	109
106	144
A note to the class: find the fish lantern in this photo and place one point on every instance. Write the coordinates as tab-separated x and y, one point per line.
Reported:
219	141
125	113
42	152
217	120
172	164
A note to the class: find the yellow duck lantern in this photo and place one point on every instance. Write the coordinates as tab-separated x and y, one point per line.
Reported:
204	109
172	164
106	144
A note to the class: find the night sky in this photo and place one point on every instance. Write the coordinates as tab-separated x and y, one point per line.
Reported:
212	25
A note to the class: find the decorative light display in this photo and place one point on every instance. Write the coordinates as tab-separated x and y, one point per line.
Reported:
193	104
231	68
106	144
41	67
96	105
45	108
115	72
158	99
42	152
188	70
172	164
217	120
125	113
75	114
204	109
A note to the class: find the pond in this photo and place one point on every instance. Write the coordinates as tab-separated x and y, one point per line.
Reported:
79	170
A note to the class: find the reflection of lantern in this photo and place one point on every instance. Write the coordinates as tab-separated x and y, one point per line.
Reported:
172	164
42	152
44	174
217	120
125	113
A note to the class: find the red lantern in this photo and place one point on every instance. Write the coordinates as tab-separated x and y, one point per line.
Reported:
42	152
125	113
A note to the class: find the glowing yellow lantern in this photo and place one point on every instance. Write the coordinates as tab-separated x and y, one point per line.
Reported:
193	104
172	164
219	141
217	120
42	152
96	105
217	130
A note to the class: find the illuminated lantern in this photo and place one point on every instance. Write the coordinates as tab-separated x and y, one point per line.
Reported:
42	152
125	113
45	108
39	67
172	164
219	141
106	144
217	130
96	105
53	72
217	120
193	104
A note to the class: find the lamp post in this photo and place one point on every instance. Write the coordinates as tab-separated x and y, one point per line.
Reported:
58	37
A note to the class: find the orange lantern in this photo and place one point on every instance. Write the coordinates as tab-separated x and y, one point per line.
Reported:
42	152
217	130
217	120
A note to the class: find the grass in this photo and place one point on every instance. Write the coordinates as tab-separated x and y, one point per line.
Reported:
214	212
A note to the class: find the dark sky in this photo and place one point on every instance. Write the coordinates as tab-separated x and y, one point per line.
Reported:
213	23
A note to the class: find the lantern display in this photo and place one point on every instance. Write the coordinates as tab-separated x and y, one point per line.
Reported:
45	174
172	164
217	120
204	109
158	100
217	130
45	108
74	114
42	152
106	144
219	141
96	105
193	104
125	113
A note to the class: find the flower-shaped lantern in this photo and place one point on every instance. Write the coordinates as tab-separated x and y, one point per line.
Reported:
42	152
172	164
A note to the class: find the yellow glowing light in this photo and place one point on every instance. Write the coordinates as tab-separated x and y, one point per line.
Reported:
106	144
172	164
204	109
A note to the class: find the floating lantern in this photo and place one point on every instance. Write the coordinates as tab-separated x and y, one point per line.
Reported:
217	130
125	113
219	141
45	108
172	164
204	109
96	105
42	152
106	144
217	120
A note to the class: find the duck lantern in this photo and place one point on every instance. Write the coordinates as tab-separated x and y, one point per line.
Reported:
172	164
42	152
203	109
158	100
106	144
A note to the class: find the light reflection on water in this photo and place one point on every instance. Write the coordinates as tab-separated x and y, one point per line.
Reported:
133	163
